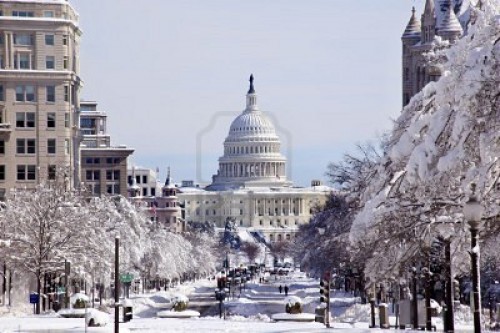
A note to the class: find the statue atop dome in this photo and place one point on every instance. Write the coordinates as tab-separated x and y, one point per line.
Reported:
252	89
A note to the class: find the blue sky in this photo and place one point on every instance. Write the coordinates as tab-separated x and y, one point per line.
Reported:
327	71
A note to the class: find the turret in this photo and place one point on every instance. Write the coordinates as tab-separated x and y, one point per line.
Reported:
412	31
450	28
411	36
169	189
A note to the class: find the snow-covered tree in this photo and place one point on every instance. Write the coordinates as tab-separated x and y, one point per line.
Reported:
445	138
45	227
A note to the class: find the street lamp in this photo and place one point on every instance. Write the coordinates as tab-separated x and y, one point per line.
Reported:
414	300
473	212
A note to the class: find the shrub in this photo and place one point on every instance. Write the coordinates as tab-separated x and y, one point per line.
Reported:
79	304
293	308
180	306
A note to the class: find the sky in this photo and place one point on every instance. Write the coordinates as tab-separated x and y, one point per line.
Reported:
172	75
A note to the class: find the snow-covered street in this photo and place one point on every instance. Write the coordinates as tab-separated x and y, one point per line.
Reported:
250	311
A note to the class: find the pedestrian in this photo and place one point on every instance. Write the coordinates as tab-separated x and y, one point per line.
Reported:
280	288
286	290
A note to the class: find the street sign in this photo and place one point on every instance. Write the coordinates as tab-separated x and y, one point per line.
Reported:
34	298
126	278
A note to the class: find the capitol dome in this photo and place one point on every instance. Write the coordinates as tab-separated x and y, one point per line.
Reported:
252	156
253	124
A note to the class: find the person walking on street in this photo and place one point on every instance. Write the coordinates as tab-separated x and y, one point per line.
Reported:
286	290
280	288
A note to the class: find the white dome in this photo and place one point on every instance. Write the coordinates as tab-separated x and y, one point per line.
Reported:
251	124
252	156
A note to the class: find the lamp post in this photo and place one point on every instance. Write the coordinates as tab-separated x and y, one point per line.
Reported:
473	212
449	319
428	310
414	300
117	284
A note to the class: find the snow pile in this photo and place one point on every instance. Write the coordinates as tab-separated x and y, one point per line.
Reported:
96	318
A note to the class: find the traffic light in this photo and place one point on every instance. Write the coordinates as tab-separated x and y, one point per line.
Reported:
324	290
456	289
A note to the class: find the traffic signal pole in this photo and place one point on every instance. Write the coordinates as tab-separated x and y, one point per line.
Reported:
327	319
325	298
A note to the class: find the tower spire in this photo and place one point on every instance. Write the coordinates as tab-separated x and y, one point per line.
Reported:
429	7
450	28
413	28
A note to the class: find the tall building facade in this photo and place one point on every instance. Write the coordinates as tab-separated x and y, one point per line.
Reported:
39	92
103	166
446	19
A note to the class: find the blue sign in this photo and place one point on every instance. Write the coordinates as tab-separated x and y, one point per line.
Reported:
34	298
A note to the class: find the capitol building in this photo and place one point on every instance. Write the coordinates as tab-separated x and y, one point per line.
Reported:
250	189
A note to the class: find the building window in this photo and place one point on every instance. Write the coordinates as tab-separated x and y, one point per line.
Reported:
144	191
65	62
25	146
65	40
51	146
144	179
2	172
66	93
50	93
22	13
50	62
23	39
92	175
51	120
153	192
66	146
2	147
49	39
48	13
25	119
113	189
25	93
112	174
22	61
96	189
66	120
51	172
1	93
26	172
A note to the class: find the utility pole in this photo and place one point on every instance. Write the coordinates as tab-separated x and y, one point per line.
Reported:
117	284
